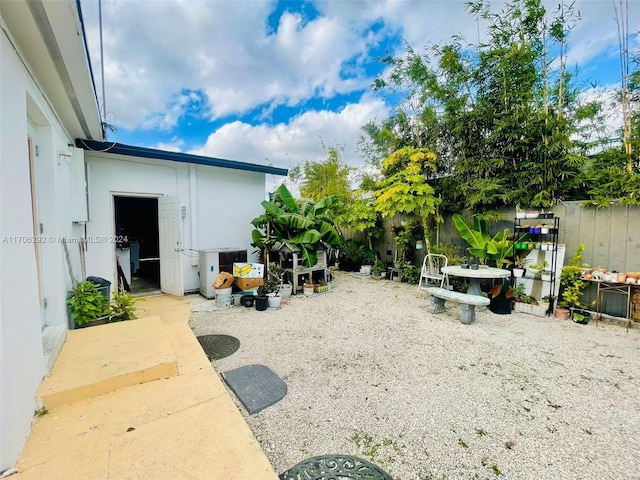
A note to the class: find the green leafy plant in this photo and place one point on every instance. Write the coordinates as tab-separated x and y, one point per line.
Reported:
481	245
518	291
273	280
403	239
410	274
405	189
123	307
378	267
354	254
306	227
477	236
520	262
87	303
571	284
269	286
450	251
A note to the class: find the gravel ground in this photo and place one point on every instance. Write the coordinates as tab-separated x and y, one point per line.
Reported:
370	372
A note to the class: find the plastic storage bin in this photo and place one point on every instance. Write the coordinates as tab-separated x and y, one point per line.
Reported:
104	286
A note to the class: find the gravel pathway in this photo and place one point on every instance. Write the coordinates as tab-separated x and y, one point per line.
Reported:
371	373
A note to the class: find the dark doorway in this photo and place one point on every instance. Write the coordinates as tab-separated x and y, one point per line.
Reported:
137	219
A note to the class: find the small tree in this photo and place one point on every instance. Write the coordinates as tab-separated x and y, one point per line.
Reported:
405	189
326	178
359	214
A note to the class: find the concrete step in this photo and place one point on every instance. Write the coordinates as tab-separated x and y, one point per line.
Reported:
105	358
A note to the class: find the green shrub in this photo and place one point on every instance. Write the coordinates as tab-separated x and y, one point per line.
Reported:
87	303
410	274
571	285
123	307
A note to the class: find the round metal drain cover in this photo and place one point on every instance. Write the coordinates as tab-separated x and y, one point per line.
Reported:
218	346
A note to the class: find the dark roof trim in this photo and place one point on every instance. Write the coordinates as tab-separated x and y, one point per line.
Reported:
129	150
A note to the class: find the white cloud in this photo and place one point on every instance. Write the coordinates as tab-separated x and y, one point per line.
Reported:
219	58
285	145
155	49
175	145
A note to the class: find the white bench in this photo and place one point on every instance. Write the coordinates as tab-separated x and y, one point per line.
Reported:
466	301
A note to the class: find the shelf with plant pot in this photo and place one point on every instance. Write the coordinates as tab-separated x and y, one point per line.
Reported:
538	258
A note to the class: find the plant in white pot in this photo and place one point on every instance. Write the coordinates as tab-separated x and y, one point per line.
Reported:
271	288
276	272
272	284
519	267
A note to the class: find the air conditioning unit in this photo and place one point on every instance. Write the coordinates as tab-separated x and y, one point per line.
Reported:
216	260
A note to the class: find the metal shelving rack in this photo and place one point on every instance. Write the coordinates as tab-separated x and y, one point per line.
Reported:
528	226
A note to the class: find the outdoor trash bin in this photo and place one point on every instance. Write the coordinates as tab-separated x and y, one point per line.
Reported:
104	286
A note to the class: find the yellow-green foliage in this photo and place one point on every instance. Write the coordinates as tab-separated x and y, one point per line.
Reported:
405	189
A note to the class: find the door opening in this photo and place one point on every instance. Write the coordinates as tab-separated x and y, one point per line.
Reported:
34	171
138	246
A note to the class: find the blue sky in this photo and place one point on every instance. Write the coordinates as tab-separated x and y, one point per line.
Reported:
277	82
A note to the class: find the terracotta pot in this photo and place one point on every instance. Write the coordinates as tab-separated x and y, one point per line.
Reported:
562	313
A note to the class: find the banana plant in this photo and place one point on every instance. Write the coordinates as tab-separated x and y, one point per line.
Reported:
477	236
499	247
301	227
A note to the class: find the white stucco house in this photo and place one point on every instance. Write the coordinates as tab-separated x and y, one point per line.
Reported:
60	178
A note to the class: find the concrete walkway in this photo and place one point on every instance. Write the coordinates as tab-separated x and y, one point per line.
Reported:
139	400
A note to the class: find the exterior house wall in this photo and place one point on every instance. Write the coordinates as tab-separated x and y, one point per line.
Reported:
25	112
227	202
219	205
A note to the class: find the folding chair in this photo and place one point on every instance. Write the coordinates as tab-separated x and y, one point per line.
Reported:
431	272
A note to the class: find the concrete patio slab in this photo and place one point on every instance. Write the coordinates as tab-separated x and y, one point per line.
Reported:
101	359
183	425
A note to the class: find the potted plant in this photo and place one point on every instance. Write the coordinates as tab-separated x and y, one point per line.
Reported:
273	286
123	307
519	266
546	275
403	239
502	295
322	287
308	288
537	269
572	285
87	305
378	270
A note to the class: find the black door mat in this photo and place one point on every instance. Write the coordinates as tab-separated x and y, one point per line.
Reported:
335	466
218	346
256	386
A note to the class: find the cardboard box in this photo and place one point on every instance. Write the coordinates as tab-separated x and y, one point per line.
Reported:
248	270
224	280
248	283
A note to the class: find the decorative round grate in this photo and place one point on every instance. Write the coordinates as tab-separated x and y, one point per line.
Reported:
218	346
335	467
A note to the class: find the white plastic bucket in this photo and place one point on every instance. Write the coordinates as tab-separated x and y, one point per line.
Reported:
223	297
